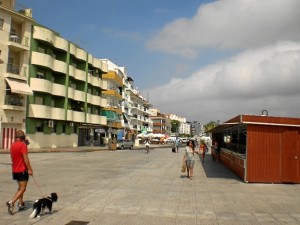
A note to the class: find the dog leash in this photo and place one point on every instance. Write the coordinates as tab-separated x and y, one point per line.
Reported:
38	186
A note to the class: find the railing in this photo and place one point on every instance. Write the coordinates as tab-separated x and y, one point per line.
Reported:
14	100
19	39
16	69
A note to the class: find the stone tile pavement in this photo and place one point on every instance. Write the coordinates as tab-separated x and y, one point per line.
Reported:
131	187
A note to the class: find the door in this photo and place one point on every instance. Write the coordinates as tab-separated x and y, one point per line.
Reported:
290	157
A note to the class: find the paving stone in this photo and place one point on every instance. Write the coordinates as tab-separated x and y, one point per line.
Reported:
133	188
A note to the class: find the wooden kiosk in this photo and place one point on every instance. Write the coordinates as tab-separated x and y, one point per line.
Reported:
260	149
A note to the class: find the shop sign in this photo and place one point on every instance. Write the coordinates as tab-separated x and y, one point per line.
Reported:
99	130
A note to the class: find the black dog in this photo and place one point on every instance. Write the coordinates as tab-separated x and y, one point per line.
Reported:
40	204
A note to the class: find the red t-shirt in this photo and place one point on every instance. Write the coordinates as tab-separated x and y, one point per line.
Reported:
18	148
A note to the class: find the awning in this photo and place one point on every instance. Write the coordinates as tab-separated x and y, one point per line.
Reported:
19	86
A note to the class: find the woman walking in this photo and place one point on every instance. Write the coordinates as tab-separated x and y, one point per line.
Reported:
189	159
203	149
147	144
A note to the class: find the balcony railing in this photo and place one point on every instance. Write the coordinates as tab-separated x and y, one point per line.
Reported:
16	69
17	38
14	100
11	68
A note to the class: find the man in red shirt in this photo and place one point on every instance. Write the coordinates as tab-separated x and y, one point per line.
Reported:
21	169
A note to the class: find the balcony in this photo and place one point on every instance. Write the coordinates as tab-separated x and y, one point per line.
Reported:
18	43
76	116
46	112
46	35
45	60
96	119
103	102
113	93
76	73
16	71
95	81
79	95
79	53
14	102
46	86
93	99
113	76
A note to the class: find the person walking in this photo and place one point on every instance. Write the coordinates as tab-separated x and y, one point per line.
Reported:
21	169
217	151
147	144
203	149
189	159
177	143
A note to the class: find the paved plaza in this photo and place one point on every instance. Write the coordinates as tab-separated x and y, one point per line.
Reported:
130	187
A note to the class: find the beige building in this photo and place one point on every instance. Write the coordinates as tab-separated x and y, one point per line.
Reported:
66	108
15	32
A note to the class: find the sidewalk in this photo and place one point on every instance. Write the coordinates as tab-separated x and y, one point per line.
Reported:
130	187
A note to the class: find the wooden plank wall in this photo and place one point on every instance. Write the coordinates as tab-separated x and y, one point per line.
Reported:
263	153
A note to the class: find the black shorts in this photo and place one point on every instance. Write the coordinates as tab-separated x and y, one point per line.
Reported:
22	176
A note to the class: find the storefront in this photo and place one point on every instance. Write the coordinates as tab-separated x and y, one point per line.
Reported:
91	135
261	149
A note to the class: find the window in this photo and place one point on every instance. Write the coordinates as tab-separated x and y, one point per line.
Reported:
39	100
41	50
1	23
40	75
39	127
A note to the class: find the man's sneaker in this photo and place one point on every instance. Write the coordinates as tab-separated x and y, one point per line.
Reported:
10	207
22	207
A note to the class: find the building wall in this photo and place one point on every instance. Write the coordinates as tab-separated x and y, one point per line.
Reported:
270	156
68	85
14	48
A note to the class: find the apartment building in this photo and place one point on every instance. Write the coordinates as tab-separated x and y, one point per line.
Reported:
15	33
58	93
139	107
184	127
66	108
114	96
161	122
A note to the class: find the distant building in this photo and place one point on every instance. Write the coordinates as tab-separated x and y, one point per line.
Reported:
161	122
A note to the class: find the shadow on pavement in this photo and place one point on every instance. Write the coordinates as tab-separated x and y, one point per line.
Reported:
215	169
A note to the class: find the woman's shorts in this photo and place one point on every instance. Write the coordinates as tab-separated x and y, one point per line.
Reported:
190	163
22	176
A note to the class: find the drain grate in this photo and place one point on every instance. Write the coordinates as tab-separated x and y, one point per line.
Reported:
74	222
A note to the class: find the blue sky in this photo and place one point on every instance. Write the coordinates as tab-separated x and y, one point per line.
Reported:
118	30
204	60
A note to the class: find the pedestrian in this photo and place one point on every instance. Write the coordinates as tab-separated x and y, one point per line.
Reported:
177	143
208	144
189	159
203	149
147	144
217	150
21	169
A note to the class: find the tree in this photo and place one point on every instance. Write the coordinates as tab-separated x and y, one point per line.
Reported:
175	126
210	125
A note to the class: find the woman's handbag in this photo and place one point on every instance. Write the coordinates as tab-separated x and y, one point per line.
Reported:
183	168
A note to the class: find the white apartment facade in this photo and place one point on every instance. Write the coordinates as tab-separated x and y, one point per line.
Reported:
184	127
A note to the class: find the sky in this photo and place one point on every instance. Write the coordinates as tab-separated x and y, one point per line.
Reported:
204	60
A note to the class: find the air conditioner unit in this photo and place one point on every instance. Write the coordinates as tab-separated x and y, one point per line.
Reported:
71	124
50	123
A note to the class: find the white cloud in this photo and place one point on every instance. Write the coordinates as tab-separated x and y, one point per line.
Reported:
231	24
263	78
